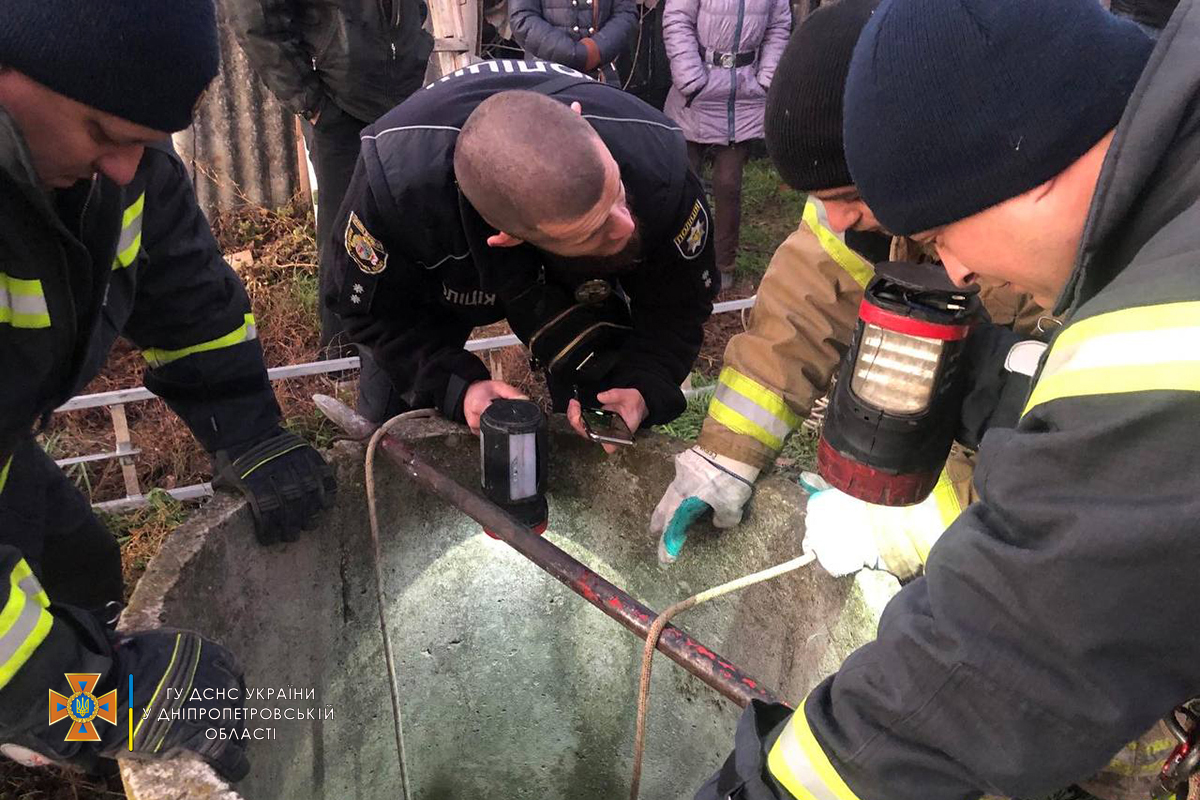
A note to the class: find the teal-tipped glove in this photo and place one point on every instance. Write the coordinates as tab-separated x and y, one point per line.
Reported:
701	482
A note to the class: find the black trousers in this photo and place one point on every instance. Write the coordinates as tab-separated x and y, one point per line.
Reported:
729	160
70	550
334	144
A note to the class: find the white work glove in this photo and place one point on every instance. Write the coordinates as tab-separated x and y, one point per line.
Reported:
847	534
701	479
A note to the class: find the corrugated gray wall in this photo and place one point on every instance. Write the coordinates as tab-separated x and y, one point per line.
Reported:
242	147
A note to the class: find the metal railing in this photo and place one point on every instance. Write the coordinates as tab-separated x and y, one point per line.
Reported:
124	452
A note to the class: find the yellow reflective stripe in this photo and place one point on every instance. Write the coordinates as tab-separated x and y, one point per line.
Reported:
23	303
166	674
245	333
130	243
296	446
761	395
1153	747
797	761
24	622
4	473
133	212
946	498
1134	770
740	425
837	249
748	408
1133	350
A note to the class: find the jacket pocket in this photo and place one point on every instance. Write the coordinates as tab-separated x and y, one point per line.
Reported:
748	86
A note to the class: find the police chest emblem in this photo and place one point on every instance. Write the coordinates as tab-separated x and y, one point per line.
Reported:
592	292
364	249
691	239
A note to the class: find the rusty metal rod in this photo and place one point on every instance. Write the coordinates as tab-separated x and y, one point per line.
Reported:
717	672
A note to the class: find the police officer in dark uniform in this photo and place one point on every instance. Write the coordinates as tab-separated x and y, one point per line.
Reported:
100	236
461	213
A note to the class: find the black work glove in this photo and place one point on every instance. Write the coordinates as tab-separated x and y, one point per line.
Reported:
285	480
745	776
186	691
994	395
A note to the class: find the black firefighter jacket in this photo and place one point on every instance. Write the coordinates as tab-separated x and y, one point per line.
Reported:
426	276
1057	617
78	267
363	55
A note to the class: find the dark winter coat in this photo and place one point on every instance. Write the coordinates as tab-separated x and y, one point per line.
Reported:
363	55
553	30
1056	620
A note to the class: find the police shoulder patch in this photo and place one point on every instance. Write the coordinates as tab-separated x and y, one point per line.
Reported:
691	239
363	248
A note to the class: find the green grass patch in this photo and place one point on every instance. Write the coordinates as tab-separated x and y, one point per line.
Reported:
687	425
770	212
310	424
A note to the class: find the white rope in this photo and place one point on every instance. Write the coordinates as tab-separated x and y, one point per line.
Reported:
639	739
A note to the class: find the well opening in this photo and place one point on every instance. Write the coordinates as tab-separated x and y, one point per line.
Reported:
512	686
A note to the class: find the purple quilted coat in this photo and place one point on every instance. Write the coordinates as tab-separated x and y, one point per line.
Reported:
727	103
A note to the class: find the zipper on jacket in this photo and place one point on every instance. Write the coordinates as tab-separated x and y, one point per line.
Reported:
733	76
390	9
87	201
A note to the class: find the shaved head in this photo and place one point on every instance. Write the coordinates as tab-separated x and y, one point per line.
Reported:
525	160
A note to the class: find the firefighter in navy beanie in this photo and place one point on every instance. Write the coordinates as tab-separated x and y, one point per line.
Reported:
101	236
145	61
1054	147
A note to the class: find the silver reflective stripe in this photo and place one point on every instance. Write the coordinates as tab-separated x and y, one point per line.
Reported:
753	412
30	586
21	303
129	235
25	304
22	626
823	218
130	243
1126	349
801	767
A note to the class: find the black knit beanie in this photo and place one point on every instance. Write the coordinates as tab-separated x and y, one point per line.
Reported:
953	106
804	104
146	61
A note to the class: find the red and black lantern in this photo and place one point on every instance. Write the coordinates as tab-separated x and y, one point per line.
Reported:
895	409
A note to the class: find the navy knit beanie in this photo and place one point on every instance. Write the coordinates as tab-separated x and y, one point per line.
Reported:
804	105
953	106
146	61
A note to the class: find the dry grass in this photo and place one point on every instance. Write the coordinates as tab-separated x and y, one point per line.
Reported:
282	284
22	783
